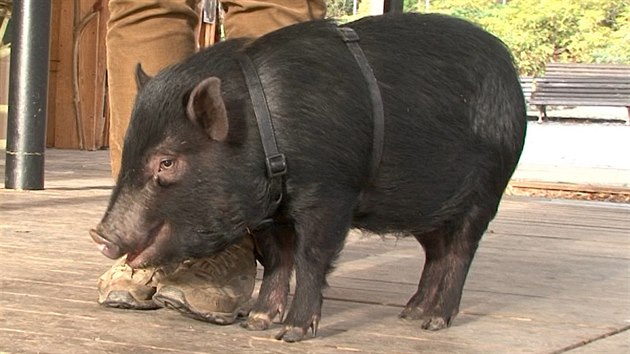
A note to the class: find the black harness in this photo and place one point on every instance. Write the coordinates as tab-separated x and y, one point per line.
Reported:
275	161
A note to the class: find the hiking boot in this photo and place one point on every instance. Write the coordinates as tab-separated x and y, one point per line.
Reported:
215	289
126	288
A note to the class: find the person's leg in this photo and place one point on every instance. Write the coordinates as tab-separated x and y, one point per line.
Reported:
254	18
153	33
184	290
156	34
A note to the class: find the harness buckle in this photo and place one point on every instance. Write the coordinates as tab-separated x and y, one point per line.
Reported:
276	165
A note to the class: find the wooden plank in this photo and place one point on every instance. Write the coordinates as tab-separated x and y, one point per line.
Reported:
345	327
586	69
549	276
61	105
615	342
577	79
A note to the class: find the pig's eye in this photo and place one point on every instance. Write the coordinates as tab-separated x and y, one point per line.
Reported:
166	164
168	169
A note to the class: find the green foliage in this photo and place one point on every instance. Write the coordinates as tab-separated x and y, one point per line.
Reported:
542	31
537	31
412	5
342	9
338	8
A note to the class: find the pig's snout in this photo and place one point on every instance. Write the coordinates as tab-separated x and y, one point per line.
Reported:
107	247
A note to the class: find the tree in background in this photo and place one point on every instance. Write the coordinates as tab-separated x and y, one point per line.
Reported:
343	10
338	9
537	31
542	31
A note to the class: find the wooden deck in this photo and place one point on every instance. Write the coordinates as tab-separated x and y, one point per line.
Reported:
549	277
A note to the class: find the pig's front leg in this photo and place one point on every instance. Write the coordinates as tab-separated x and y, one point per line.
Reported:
320	238
276	246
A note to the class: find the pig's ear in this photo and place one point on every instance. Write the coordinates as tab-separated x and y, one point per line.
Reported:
141	76
206	108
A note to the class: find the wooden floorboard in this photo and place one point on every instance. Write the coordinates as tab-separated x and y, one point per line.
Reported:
550	276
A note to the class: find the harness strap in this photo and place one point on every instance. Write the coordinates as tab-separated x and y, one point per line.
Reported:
351	38
274	160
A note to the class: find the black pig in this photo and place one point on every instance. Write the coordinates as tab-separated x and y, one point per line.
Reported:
194	181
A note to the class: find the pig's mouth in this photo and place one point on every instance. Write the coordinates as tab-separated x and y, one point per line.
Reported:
143	253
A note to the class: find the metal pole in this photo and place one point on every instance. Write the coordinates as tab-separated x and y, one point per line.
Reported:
393	6
28	95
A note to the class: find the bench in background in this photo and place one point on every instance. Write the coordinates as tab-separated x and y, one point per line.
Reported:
527	84
571	84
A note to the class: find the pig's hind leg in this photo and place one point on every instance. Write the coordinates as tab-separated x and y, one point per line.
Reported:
276	247
449	252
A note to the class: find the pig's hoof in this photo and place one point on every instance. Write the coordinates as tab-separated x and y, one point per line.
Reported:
257	322
433	323
411	313
430	323
291	334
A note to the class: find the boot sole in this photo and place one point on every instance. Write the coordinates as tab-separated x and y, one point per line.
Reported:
124	300
174	299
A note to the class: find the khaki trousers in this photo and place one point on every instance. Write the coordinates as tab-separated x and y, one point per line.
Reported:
157	33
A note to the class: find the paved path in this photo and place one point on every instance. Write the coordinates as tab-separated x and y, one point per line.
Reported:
597	154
